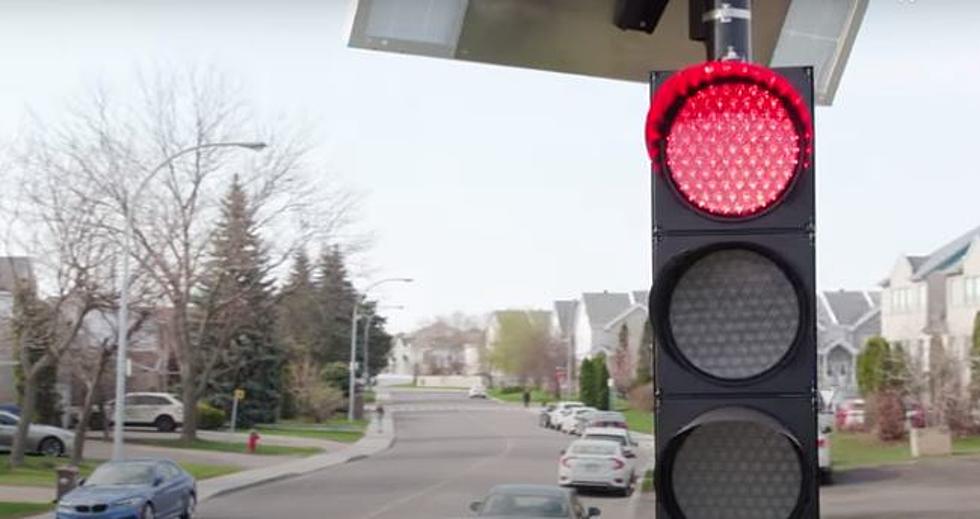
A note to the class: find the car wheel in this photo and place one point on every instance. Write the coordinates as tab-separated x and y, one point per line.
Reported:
148	512
189	507
165	424
51	447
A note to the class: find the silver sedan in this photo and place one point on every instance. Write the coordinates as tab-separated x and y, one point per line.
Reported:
41	439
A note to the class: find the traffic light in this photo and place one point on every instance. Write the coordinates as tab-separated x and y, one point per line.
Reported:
732	304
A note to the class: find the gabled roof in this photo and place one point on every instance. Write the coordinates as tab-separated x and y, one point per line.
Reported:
624	314
641	297
947	257
565	312
602	307
848	306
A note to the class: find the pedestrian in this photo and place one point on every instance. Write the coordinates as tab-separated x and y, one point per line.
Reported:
380	411
527	398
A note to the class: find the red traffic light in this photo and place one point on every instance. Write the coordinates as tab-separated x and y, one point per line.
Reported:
731	137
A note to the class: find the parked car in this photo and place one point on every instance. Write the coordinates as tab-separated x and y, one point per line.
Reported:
915	415
10	408
825	426
850	414
478	392
532	502
41	439
613	434
138	488
562	409
569	421
161	410
596	464
601	419
544	417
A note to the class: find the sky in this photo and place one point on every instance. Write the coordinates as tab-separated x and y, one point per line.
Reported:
505	188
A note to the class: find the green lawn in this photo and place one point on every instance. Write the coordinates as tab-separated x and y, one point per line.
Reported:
849	450
221	446
538	396
338	430
15	510
639	421
39	472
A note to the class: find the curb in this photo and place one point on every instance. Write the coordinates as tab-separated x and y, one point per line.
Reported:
364	448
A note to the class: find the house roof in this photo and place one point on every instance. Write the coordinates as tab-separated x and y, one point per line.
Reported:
565	312
624	314
602	307
13	268
945	258
641	297
847	307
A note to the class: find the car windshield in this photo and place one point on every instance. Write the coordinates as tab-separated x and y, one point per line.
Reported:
122	474
510	505
607	437
600	449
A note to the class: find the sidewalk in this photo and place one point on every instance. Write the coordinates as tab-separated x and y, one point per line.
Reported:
377	438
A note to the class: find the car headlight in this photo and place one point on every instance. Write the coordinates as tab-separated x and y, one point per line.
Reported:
64	506
129	501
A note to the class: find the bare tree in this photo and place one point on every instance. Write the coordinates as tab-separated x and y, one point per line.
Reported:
114	144
62	227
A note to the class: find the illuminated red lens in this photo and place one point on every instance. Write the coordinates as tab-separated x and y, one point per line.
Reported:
732	149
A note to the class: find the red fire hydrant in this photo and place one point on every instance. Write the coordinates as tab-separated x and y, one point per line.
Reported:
253	441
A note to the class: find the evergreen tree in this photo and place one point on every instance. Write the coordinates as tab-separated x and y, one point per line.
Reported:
299	326
600	371
336	296
586	383
378	338
238	298
644	361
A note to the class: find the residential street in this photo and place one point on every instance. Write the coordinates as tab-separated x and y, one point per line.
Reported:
448	452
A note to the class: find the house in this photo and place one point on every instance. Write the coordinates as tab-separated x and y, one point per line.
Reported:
594	311
14	271
931	301
563	330
628	325
845	321
437	349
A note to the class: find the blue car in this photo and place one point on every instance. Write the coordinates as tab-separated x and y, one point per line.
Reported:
132	489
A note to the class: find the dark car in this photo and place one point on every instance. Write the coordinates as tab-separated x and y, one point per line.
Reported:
132	489
13	409
532	502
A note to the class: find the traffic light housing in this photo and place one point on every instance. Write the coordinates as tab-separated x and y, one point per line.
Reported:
732	303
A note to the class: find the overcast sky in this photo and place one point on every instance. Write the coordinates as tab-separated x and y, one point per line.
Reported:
498	187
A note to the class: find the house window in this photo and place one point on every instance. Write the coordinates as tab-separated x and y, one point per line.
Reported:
908	299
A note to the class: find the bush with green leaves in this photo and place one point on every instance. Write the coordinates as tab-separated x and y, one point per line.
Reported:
209	417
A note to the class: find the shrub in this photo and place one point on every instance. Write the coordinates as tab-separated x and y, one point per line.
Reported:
209	417
322	402
641	397
889	416
510	390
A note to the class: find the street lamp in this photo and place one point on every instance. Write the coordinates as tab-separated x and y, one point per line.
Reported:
123	312
353	341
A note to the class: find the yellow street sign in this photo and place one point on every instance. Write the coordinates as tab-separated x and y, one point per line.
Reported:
239	394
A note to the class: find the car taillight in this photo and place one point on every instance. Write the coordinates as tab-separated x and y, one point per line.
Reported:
618	463
567	462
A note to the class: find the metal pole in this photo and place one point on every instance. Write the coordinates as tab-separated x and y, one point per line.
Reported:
569	366
729	29
234	412
118	452
367	348
353	362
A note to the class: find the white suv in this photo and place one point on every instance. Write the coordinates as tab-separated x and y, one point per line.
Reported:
160	410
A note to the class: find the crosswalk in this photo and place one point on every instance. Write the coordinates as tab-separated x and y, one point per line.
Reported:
451	408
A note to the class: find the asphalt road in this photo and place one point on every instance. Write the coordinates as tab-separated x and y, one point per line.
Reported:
448	451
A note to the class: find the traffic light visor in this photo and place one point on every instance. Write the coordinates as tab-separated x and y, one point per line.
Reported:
731	137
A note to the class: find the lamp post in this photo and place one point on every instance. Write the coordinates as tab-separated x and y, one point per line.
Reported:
353	341
123	312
